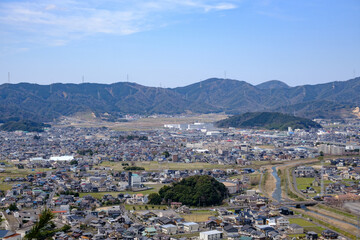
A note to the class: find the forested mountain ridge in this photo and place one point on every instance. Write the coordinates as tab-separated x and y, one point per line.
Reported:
48	102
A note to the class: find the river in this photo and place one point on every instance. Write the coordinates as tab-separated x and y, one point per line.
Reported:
277	193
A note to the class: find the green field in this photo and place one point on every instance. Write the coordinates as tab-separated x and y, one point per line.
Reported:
307	225
302	183
143	207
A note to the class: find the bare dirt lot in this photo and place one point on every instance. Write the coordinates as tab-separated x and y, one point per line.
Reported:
141	124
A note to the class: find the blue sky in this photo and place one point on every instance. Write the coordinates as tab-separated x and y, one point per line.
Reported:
173	43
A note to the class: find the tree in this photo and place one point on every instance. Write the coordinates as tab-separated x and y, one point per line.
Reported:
155	198
74	162
166	154
45	228
195	191
13	207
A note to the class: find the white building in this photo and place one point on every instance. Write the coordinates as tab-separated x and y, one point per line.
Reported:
169	229
211	235
331	149
282	222
231	186
191	227
62	158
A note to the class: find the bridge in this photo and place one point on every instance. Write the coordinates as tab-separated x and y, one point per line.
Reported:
294	203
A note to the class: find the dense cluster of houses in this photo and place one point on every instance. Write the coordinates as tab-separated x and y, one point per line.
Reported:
64	173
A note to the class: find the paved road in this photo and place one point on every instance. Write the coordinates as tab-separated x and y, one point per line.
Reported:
52	193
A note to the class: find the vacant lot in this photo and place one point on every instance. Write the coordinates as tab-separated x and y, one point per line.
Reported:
154	189
198	216
141	124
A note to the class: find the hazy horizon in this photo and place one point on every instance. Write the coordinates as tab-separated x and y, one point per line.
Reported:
45	84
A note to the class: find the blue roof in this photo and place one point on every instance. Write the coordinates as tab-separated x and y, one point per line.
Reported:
4	233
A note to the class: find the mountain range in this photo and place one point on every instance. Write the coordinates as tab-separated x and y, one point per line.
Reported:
48	102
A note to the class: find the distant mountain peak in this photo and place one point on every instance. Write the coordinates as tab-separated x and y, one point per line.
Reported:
272	84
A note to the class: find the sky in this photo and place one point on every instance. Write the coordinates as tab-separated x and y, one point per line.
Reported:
171	43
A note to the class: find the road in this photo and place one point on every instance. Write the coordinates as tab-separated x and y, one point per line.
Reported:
52	193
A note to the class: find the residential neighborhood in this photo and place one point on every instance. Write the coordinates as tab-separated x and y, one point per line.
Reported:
97	181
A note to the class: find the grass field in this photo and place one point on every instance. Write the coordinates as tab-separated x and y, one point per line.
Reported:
297	236
321	221
307	225
158	166
143	207
302	183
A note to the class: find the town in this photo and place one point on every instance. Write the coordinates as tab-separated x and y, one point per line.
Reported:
99	183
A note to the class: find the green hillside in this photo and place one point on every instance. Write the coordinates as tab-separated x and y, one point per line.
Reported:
23	125
267	120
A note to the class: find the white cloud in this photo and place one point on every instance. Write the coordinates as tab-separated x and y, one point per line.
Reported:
52	20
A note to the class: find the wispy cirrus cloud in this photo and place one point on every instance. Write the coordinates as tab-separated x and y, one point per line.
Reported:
57	22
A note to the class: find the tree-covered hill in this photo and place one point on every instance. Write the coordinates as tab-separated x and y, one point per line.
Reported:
267	120
23	125
195	191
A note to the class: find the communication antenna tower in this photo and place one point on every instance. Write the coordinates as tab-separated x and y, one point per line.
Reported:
8	77
83	79
127	77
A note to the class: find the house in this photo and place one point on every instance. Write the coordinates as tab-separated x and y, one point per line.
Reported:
312	236
176	204
282	222
149	232
169	229
329	234
231	231
295	228
304	171
211	235
191	227
286	211
211	224
9	235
